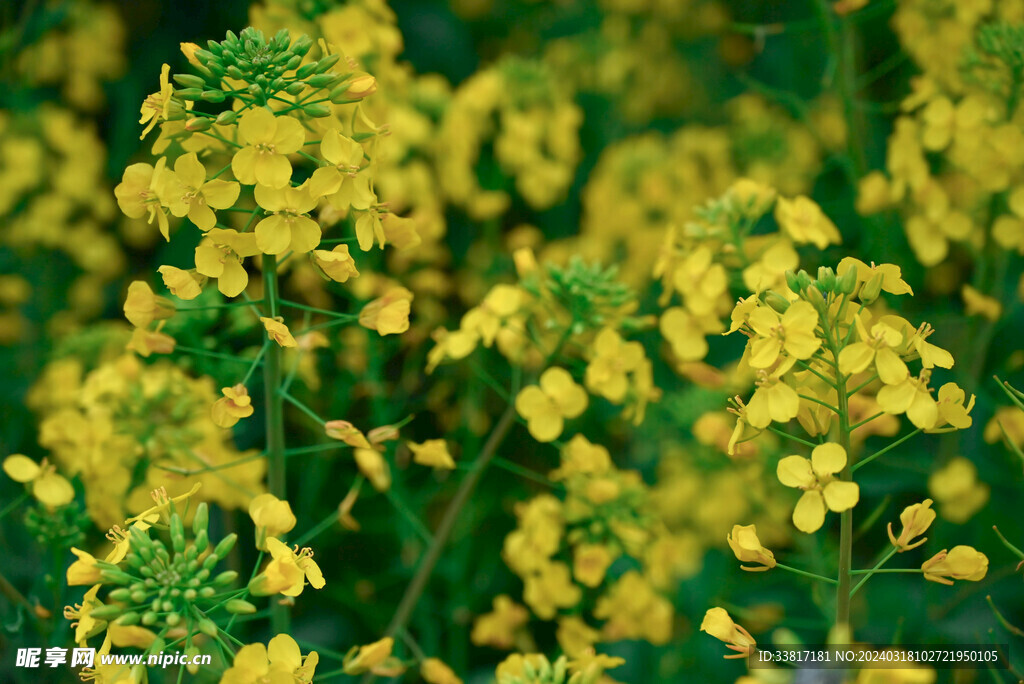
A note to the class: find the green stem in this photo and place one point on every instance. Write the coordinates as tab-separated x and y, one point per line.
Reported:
324	524
302	407
798	440
444	530
1007	544
846	517
814	576
866	420
212	355
882	452
873	571
867	574
256	362
276	479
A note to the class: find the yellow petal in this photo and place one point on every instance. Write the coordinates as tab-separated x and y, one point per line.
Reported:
809	514
828	458
21	468
841	496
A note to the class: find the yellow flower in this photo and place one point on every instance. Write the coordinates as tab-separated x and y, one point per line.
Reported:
590	562
368	227
374	467
916	520
498	628
821	489
978	304
388	315
433	452
157	106
83	571
280	661
792	333
48	486
287	572
745	544
889	275
341	182
961	563
954	407
182	284
549	588
278	332
272	517
773	400
145	342
912	397
364	658
878	347
956	489
268	141
434	671
188	193
575	636
337	264
138	194
288	227
613	359
803	220
545	407
718	624
220	254
634	610
685	332
142	307
235	404
86	626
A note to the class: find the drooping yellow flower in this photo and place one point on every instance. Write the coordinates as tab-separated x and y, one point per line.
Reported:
288	227
337	264
433	452
977	303
816	478
278	332
287	572
85	625
718	624
954	407
960	563
549	588
388	315
280	662
546	406
498	628
364	658
792	334
272	517
157	107
803	220
48	486
230	408
957	490
142	307
268	141
747	547
916	520
182	284
220	255
83	571
773	400
188	193
435	671
372	464
145	342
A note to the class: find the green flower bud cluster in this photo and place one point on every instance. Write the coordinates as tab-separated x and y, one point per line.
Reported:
593	295
157	586
60	528
542	672
267	67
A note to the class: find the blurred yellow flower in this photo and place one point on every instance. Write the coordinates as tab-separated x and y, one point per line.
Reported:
718	624
545	407
278	332
48	486
272	517
960	563
234	405
747	547
433	452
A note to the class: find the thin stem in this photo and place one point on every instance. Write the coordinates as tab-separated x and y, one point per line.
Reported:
519	470
872	572
13	505
313	309
819	402
882	452
276	478
796	439
827	380
866	421
410	517
302	407
212	355
815	576
444	530
1007	544
867	575
324	524
256	362
864	384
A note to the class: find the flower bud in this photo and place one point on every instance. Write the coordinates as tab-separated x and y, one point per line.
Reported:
214	96
295	88
239	607
871	289
301	45
826	279
916	520
199	123
847	283
189	81
190	93
316	110
793	282
363	85
326	63
225	545
226	118
776	301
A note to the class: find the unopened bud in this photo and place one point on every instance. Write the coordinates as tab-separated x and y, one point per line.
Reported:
871	289
239	607
776	301
826	278
363	85
847	283
189	81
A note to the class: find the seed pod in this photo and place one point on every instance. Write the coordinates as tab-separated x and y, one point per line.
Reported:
239	607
